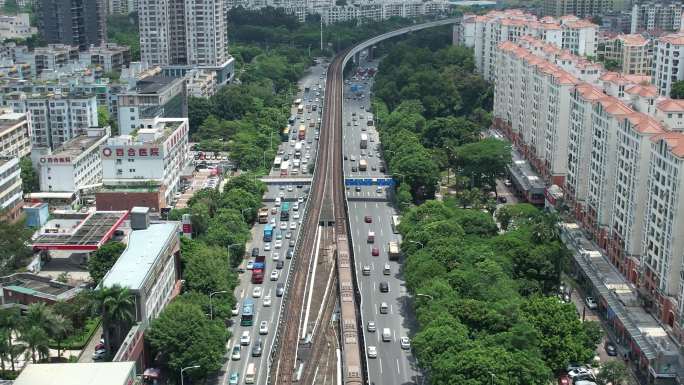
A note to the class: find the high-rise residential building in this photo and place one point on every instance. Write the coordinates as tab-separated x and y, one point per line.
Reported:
109	57
79	23
668	66
632	53
579	8
151	97
11	193
55	118
121	7
656	16
184	32
15	134
483	33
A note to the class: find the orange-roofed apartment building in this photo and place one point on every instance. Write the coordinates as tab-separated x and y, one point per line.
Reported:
631	52
483	33
668	66
615	147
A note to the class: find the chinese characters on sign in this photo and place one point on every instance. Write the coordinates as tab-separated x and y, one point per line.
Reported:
132	152
54	160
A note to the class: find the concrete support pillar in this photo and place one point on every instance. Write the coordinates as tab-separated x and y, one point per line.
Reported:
454	34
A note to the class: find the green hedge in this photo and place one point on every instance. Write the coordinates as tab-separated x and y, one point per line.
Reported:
78	341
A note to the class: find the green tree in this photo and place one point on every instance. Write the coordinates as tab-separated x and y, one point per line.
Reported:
29	177
515	214
612	372
116	305
180	346
36	340
103	259
10	322
60	329
483	161
205	268
14	238
677	90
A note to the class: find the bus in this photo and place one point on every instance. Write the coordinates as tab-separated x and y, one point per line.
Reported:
285	211
300	109
250	374
284	167
363	165
263	215
277	162
301	134
395	224
285	134
268	233
247	312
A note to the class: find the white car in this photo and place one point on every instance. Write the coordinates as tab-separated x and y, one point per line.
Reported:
371	326
591	303
267	301
295	215
372	352
274	275
256	293
235	355
288	235
405	343
275	256
263	327
244	338
307	156
295	206
267	247
278	244
293	225
273	221
300	200
235	310
290	188
283	225
281	194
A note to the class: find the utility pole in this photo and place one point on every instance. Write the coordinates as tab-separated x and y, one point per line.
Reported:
321	34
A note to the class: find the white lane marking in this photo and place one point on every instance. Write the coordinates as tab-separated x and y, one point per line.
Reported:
398	371
242	294
394	335
391	309
380	362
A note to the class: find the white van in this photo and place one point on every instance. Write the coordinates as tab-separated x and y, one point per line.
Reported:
277	201
386	335
250	375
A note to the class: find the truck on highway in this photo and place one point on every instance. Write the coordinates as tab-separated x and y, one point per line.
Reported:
364	141
268	233
298	150
363	165
284	167
393	251
250	374
258	269
263	215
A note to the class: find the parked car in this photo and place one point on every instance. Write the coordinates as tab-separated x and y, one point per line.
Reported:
591	303
405	343
611	349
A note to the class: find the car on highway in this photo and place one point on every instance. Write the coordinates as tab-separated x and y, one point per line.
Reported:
352	158
245	338
263	327
591	303
257	292
274	275
267	247
300	199
234	378
290	253
366	270
275	256
354	169
405	343
290	188
293	225
257	349
358	188
280	289
368	219
384	287
250	265
283	225
295	215
372	352
235	355
235	310
279	264
279	236
386	269
278	244
375	251
384	309
267	301
371	326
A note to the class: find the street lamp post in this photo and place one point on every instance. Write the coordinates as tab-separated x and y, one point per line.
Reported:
491	378
186	368
211	308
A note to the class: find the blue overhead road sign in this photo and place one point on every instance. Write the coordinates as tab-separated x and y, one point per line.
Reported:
369	181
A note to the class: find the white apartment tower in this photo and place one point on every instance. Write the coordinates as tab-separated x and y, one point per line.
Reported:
183	32
668	66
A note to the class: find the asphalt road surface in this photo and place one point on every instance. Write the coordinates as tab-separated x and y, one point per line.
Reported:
393	365
245	287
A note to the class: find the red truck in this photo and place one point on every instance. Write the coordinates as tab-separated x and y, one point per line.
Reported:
258	269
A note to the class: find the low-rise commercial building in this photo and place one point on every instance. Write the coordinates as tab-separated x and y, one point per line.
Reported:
16	27
101	373
15	131
74	166
149	160
23	289
148	267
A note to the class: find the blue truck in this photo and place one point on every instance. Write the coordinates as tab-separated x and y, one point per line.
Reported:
268	233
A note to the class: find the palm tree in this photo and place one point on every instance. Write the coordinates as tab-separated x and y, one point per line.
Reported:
9	321
36	340
60	328
116	304
5	348
38	314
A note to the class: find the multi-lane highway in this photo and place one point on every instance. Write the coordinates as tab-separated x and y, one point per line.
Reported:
393	364
288	192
